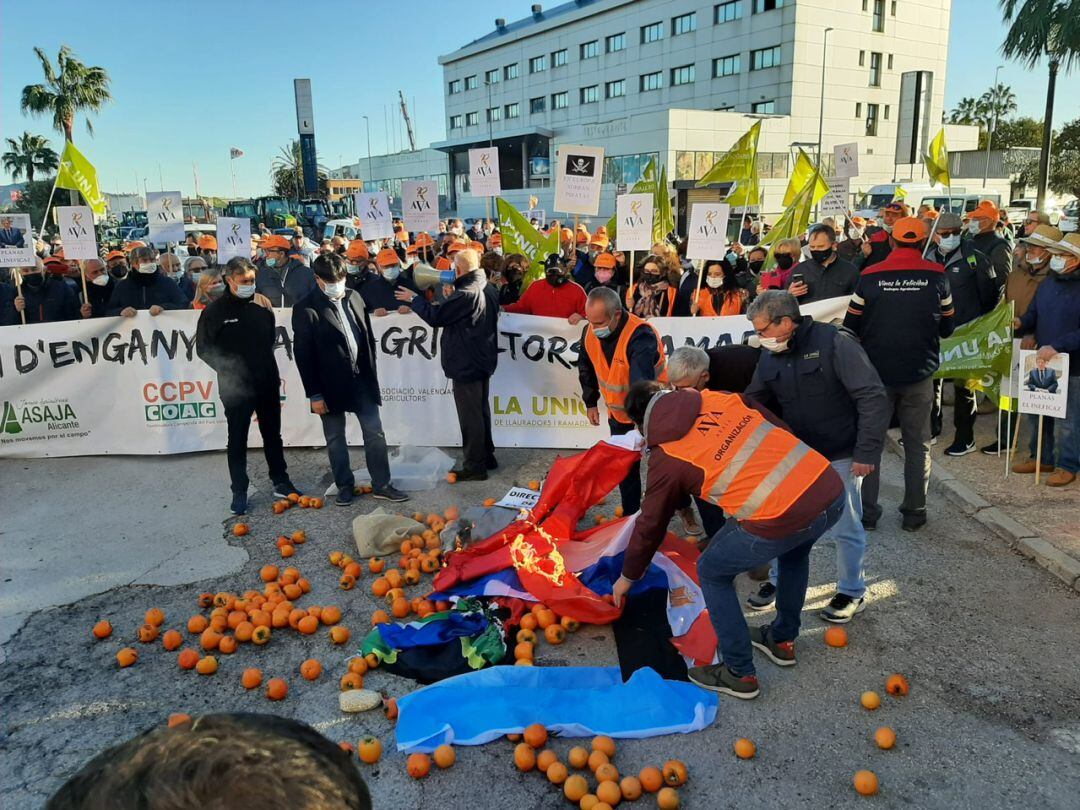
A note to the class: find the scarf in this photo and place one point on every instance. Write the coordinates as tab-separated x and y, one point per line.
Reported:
652	300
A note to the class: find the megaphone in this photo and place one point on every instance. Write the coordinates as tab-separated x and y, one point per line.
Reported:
425	276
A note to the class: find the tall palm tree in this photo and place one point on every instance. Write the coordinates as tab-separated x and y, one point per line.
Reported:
998	102
70	88
1039	28
967	111
29	154
287	171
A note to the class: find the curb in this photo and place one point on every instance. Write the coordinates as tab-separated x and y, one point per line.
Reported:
1019	537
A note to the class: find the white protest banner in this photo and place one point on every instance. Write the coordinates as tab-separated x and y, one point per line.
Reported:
373	209
484	172
634	217
420	205
1044	384
16	241
846	160
835	202
577	179
165	216
707	237
233	238
1010	386
519	498
136	386
77	231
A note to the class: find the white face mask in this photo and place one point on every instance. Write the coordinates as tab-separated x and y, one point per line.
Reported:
245	290
771	344
950	243
885	226
1057	263
101	280
391	273
1036	261
334	289
497	251
195	276
974	227
148	267
714	281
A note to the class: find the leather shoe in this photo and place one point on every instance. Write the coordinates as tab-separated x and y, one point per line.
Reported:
1028	467
1060	478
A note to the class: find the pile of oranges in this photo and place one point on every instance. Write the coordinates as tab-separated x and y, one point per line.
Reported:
540	622
610	786
294	499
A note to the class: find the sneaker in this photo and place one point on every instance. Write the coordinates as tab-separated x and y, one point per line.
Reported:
469	475
994	448
718	678
388	493
282	489
764	598
933	441
344	496
958	449
781	653
492	464
913	521
239	503
1060	478
842	608
691	525
1028	467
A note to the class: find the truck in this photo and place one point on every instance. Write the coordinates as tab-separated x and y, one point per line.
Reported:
958	199
273	212
197	209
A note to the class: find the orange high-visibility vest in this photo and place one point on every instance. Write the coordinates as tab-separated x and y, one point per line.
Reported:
614	379
752	469
670	300
732	303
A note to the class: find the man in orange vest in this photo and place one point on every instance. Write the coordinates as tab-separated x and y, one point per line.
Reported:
781	494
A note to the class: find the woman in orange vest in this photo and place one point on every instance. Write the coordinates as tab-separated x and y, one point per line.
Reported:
654	296
781	494
721	293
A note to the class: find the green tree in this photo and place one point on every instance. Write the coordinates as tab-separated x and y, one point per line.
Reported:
287	173
967	111
70	88
998	102
1065	172
1069	137
1023	131
27	155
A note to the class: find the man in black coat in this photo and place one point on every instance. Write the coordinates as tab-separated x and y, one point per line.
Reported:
44	298
468	350
824	275
145	288
235	336
99	288
335	353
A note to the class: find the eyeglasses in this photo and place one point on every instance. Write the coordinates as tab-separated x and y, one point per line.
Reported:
761	332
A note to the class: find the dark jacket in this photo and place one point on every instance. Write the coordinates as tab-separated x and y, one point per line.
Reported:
900	310
620	289
235	337
975	288
144	290
8	315
880	247
998	251
284	286
732	367
469	320
54	300
378	293
1054	318
836	280
187	286
685	294
827	391
322	352
99	297
641	354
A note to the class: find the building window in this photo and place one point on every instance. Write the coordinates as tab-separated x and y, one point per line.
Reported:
510	71
455	122
886	112
472	119
652	81
765	58
537	105
652	33
590	94
627	169
590	50
560	101
470	82
726	12
725	66
892	8
858	109
538	64
616	42
865	3
862	58
455	86
513	110
684	24
879	16
763	107
559	58
615	89
692	165
871	119
890	61
875	69
492	76
494	114
767	5
682	75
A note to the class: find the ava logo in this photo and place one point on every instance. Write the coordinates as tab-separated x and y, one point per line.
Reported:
77	230
581	165
635	218
708	228
233	237
184	401
374	213
166	213
421	203
9	420
484	169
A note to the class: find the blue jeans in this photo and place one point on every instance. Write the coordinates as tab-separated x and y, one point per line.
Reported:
733	551
849	536
1068	431
337	447
1047	455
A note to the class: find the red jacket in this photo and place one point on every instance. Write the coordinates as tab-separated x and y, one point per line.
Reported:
542	298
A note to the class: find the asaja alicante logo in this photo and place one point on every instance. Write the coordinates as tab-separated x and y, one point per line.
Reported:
9	420
55	415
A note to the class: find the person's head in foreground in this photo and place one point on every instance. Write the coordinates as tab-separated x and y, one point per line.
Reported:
688	367
221	761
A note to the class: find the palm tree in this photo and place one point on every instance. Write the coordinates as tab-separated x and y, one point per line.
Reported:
70	88
967	111
1039	28
29	154
998	102
287	171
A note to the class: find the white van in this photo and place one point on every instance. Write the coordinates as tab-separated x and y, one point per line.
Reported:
962	201
879	196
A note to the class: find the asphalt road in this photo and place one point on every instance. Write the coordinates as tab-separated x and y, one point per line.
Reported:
988	640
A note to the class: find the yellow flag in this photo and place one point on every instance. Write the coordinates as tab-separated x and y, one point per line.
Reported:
937	160
739	163
793	221
804	170
79	174
900	193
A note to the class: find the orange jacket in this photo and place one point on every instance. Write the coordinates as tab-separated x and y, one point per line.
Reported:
734	303
614	379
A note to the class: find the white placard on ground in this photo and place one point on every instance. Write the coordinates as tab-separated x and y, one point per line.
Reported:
578	176
484	172
634	218
708	231
165	216
16	241
519	498
77	231
1044	385
233	238
420	205
846	159
373	209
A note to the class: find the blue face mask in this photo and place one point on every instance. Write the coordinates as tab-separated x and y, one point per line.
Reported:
732	257
271	262
245	290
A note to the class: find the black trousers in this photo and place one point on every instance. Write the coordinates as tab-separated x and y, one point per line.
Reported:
267	407
964	412
474	416
629	487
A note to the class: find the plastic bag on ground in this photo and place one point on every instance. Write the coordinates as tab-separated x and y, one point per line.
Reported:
412	469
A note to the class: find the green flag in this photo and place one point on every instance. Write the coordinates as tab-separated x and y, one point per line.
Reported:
804	172
79	174
738	165
937	160
520	237
980	351
663	219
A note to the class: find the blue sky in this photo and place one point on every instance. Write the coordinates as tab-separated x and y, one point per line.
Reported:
220	74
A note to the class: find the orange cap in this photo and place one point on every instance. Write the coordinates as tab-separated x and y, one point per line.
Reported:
387	257
56	265
207	242
605	261
582	236
442	263
130	246
909	230
275	242
477	246
455	247
858	222
412	249
931	214
424	240
985	210
495	239
566	234
357	249
599	239
114	254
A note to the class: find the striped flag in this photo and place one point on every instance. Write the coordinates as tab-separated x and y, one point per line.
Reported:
235	153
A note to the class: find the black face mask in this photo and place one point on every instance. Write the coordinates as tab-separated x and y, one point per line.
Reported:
784	260
556	279
651	278
755	267
119	271
33	280
821	256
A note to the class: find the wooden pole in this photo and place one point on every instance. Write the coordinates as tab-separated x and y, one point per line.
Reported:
630	286
697	292
18	288
1038	450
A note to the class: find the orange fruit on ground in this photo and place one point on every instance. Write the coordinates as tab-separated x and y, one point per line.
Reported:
251	678
187	659
836	637
172	640
394	578
555	634
375	565
609	793
514	738
545	618
674	772
529	622
574	787
292	591
412	576
207	665
209	639
350	680
400	607
744	748
373	663
353	569
525	637
418	765
155	616
227	645
196	624
631	788
240	529
331	614
294	497
235	617
380	587
311	669
590	802
667	799
178	719
317	503
148	633
596	759
605	744
126	657
358	665
335	557
524	757
277	689
870	700
557	773
523	650
451	478
102	629
339	634
288	550
444	756
451	513
578	758
535	735
569	624
545	759
897	685
651	779
347	747
308	625
260	635
299	536
347	583
534	485
278	507
607	773
524	662
866	783
380	617
268	573
489	502
885	738
206	600
369	750
244	631
619	512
